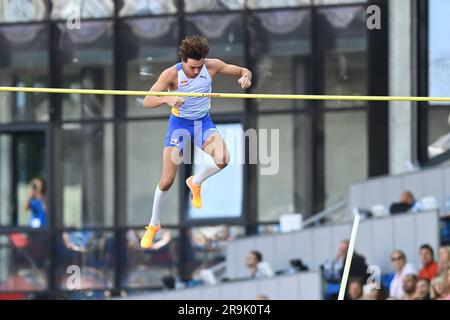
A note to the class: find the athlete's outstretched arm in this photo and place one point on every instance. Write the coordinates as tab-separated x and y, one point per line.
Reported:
162	84
245	75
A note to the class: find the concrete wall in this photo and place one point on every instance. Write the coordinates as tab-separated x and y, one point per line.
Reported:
385	190
300	286
376	239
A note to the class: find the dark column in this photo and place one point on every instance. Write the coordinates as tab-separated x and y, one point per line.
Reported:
378	112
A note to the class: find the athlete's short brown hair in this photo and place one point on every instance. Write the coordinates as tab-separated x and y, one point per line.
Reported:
194	47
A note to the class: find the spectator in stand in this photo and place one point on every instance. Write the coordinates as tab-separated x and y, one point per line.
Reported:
446	278
409	286
333	270
438	290
422	290
258	268
430	268
406	202
36	203
444	259
355	289
371	292
402	268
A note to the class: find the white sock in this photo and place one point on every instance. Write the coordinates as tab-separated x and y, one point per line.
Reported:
207	171
159	203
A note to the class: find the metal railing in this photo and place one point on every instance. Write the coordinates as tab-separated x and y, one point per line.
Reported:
315	219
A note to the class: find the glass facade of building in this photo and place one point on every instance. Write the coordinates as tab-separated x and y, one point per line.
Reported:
101	155
434	55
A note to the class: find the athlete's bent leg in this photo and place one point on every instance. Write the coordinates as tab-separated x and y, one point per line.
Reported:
215	146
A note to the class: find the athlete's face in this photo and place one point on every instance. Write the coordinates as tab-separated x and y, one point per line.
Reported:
193	67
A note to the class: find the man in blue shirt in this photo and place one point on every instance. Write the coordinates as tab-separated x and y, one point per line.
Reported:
36	204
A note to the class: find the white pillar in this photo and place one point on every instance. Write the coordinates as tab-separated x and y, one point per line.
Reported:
401	77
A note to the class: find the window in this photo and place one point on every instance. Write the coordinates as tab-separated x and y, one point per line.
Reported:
206	250
222	194
145	7
327	2
145	144
6	189
154	44
88	64
88	175
24	63
346	153
12	11
87	254
259	4
281	71
61	10
439	49
438	130
212	5
344	43
22	159
151	268
276	182
438	78
24	261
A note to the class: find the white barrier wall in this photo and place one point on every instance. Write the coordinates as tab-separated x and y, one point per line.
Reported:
386	190
300	286
376	239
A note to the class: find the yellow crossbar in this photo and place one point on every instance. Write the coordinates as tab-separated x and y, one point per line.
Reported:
224	95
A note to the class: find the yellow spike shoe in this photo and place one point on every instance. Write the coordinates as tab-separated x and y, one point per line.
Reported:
196	192
149	236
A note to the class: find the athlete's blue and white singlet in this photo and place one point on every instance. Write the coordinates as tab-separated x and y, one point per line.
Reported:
192	119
